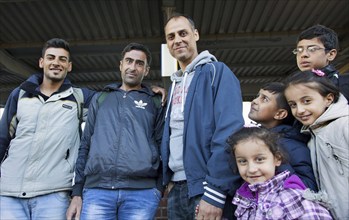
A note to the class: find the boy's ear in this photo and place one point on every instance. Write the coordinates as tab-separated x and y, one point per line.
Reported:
331	54
280	114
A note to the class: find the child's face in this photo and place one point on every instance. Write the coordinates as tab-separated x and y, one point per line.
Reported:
316	59
255	161
306	104
263	108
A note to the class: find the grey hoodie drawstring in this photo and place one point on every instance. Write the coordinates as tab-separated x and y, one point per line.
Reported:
169	101
183	90
202	58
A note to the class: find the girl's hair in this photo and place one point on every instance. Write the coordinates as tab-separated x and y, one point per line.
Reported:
270	139
314	79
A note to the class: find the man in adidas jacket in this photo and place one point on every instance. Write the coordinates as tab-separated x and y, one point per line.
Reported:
117	170
39	140
204	109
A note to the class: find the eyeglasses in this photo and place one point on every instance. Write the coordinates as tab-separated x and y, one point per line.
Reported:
310	49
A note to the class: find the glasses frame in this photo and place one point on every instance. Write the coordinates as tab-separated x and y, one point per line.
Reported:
309	49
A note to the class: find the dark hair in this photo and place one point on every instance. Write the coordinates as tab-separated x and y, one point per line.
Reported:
137	46
327	36
271	140
311	80
278	88
56	43
177	15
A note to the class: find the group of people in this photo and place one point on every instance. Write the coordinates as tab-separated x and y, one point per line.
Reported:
295	165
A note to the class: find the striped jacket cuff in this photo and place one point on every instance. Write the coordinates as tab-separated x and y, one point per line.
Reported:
214	196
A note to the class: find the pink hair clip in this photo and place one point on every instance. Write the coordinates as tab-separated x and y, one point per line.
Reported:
318	72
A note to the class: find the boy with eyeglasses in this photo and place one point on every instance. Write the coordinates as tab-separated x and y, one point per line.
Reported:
317	46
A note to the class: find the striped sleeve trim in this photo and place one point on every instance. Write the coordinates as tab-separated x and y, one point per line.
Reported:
213	196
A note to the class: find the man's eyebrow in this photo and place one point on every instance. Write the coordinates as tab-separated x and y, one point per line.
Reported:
56	55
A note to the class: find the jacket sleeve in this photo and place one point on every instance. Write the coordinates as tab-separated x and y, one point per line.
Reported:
84	149
228	119
8	123
299	159
159	127
160	121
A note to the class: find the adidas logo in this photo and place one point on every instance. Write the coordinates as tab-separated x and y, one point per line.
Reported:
140	104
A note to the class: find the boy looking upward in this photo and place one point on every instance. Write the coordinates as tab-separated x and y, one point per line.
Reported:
271	110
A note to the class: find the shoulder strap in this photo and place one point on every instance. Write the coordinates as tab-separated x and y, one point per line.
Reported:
82	113
157	100
101	98
14	123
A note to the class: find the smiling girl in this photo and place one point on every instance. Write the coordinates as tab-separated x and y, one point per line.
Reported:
324	113
265	194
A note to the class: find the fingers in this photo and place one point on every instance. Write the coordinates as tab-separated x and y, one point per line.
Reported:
74	208
206	211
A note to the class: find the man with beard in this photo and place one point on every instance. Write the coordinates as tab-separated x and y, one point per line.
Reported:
117	170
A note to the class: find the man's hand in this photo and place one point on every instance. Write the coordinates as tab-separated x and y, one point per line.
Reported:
162	91
74	209
207	211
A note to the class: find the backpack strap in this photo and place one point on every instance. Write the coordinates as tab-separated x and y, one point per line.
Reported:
101	98
81	111
13	122
157	100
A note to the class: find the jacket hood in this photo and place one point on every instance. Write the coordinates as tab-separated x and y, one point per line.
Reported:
333	112
179	76
202	58
290	132
33	82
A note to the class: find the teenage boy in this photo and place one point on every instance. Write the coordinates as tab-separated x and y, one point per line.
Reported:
39	139
271	110
316	48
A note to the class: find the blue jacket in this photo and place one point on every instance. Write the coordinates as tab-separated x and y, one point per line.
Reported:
295	145
212	112
121	140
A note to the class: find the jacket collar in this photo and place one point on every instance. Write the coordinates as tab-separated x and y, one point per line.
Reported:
32	84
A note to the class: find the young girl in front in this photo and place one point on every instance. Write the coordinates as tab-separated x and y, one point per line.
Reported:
265	194
324	113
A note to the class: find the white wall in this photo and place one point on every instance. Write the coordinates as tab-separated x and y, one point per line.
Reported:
245	110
